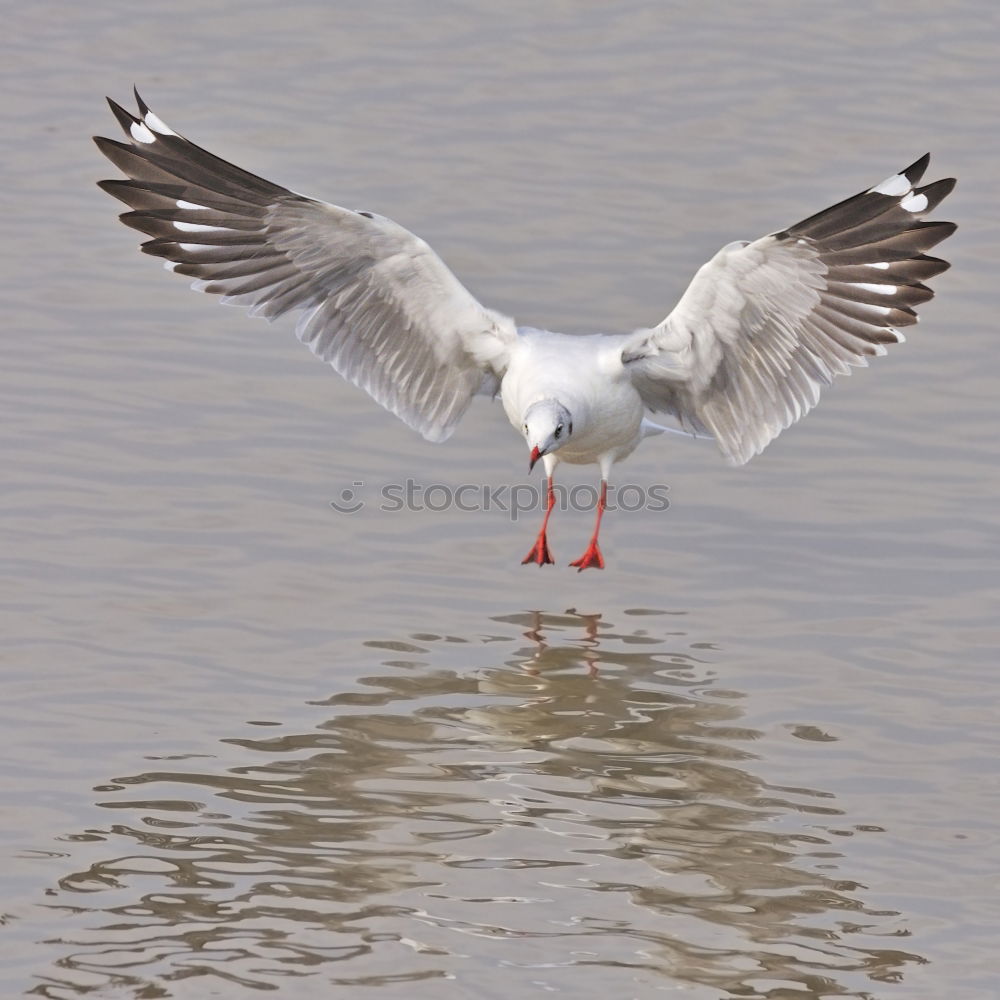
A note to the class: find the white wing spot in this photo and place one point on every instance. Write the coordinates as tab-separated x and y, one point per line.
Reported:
194	227
895	185
879	289
140	133
196	247
169	265
914	203
191	205
156	125
881	265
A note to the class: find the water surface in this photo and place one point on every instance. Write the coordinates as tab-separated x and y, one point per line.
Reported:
250	743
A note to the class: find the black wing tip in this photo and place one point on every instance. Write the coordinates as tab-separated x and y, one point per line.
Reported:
944	229
937	191
159	246
103	141
938	264
125	118
916	169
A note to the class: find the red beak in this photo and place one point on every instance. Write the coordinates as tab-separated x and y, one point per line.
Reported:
535	456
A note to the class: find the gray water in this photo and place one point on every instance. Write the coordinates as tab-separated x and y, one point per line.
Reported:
253	744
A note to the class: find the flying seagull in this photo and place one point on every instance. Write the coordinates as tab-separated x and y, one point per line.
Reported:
762	326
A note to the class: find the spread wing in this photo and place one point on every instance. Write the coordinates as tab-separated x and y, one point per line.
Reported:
373	299
764	325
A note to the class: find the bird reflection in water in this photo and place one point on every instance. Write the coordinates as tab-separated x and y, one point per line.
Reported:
584	649
480	801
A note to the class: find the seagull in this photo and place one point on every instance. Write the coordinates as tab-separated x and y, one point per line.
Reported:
760	329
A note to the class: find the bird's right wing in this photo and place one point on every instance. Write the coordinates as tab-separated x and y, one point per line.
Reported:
374	300
764	325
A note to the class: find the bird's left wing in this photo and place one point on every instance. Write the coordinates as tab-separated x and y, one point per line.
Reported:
764	325
373	299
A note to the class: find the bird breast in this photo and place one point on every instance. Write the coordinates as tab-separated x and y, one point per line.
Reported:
584	374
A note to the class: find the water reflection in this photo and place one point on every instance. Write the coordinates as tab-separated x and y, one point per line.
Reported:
561	795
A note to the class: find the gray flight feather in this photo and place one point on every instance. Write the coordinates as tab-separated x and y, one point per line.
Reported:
373	299
764	325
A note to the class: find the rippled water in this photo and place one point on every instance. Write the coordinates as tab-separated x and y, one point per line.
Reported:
560	797
250	743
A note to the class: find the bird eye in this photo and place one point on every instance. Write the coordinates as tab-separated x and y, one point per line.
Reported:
559	430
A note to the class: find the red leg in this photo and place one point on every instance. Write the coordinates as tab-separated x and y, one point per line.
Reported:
540	550
592	558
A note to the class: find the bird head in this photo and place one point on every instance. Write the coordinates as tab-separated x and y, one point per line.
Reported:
547	426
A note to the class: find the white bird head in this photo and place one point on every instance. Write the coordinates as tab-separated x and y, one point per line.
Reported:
547	426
